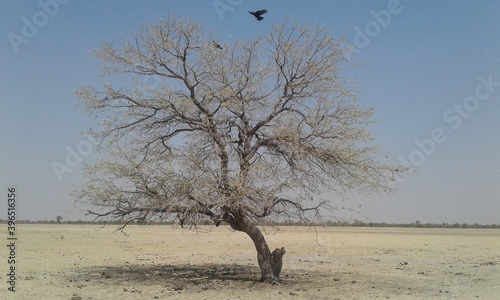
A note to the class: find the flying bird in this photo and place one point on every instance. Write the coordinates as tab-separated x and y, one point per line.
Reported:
217	45
258	14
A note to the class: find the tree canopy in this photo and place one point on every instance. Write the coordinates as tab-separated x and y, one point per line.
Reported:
266	125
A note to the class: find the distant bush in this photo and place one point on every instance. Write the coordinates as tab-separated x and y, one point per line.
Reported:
354	223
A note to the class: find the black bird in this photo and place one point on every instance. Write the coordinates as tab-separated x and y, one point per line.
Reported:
217	45
258	14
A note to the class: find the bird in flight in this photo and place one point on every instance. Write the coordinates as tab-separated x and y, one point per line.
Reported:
258	14
217	45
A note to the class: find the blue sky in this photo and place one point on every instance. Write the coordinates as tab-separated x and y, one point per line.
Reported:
423	65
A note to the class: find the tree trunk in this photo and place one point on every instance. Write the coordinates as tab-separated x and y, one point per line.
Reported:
270	263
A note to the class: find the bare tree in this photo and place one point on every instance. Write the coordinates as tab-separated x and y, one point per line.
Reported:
258	130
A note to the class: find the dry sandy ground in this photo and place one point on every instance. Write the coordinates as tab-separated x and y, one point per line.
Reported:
160	262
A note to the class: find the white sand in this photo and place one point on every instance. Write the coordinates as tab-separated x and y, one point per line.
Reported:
160	262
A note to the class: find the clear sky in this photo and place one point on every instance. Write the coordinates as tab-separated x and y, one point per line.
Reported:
431	70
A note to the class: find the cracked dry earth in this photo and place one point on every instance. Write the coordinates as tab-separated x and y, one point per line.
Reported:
72	262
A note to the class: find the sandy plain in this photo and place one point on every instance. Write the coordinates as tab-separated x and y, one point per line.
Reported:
161	262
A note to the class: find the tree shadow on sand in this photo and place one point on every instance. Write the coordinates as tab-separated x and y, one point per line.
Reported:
174	277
